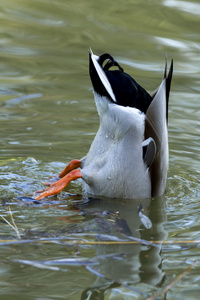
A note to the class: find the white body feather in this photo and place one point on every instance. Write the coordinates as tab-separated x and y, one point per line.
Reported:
114	165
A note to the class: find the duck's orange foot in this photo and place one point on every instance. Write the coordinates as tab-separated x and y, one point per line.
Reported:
58	186
72	165
68	174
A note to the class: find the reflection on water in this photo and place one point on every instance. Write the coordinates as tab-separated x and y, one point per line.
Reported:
100	237
48	117
141	262
189	7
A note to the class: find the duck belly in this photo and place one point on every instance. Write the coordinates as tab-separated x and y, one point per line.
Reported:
117	178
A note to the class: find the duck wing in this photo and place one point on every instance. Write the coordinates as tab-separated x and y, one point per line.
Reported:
156	128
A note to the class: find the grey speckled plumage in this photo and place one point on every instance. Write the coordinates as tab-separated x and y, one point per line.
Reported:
129	155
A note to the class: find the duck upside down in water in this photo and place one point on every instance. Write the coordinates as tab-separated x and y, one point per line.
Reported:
129	155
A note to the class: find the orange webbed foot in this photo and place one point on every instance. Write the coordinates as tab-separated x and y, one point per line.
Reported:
68	174
58	186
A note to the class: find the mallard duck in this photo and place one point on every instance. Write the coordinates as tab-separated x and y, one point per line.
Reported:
128	157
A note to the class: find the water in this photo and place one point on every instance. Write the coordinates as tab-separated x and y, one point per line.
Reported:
48	117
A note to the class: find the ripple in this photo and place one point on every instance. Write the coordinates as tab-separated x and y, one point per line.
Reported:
188	7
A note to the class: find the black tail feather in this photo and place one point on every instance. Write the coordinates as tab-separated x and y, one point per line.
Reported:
168	84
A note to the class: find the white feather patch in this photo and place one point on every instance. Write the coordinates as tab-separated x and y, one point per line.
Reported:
102	76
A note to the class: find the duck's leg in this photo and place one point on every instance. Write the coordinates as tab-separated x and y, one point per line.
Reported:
68	174
74	164
59	185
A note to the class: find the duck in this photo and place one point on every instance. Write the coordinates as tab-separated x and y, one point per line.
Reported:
129	155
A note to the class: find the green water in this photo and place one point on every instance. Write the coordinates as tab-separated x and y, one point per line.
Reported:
48	117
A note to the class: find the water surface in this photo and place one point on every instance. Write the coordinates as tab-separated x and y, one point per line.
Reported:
48	117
